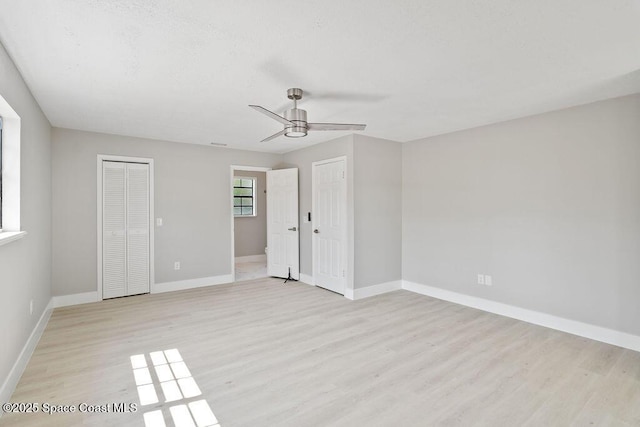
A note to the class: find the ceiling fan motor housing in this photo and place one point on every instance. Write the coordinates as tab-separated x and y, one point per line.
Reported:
299	119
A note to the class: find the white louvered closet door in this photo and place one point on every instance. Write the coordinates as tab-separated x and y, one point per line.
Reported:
125	229
137	228
114	227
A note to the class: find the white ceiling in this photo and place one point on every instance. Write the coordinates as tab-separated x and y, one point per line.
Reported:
186	70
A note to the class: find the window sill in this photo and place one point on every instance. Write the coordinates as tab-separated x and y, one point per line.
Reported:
10	236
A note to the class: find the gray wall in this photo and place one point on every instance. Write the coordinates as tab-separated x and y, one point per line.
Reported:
25	265
251	231
302	159
192	190
548	205
377	183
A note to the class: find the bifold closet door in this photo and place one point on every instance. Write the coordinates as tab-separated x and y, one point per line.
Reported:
125	229
137	228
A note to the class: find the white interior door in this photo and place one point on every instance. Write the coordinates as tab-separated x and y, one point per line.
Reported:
282	223
330	225
125	229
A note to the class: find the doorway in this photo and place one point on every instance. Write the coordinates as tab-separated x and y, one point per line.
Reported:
249	222
279	257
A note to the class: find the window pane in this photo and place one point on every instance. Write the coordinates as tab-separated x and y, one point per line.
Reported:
243	194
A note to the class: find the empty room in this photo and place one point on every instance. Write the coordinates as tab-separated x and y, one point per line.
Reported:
410	213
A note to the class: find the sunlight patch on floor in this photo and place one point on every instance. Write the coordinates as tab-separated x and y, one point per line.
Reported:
174	379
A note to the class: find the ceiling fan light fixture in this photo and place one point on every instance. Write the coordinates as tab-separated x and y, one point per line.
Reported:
296	132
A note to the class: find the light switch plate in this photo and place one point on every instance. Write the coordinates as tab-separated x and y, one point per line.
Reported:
487	280
159	222
480	279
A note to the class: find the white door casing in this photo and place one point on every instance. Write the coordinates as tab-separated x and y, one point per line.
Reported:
329	223
126	239
283	256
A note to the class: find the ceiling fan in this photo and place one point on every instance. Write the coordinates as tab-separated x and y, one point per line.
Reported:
295	119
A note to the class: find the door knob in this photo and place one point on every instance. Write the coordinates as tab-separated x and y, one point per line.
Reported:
293	229
316	231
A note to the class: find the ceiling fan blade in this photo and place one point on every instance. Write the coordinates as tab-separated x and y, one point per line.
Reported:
335	126
275	135
271	114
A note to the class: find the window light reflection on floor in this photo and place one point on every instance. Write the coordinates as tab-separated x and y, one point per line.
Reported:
154	418
203	414
164	373
147	394
177	384
142	376
181	416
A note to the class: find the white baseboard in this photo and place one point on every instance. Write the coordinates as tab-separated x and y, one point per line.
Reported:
380	288
349	294
12	379
252	258
598	333
74	299
305	278
86	297
191	283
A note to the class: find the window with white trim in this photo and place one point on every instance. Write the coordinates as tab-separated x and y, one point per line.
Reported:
9	174
0	173
244	196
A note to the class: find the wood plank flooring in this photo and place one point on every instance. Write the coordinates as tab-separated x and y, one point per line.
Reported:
267	354
250	270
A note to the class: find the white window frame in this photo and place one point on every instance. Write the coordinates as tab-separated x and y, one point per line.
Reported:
253	196
11	230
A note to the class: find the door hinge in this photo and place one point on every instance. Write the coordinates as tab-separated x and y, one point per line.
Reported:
342	174
343	273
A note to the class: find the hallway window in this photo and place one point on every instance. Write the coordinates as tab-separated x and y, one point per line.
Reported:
244	189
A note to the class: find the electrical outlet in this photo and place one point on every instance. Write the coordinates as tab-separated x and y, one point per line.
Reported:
176	265
487	280
159	222
31	307
480	279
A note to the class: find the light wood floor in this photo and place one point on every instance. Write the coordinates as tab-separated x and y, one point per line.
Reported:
267	354
251	270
